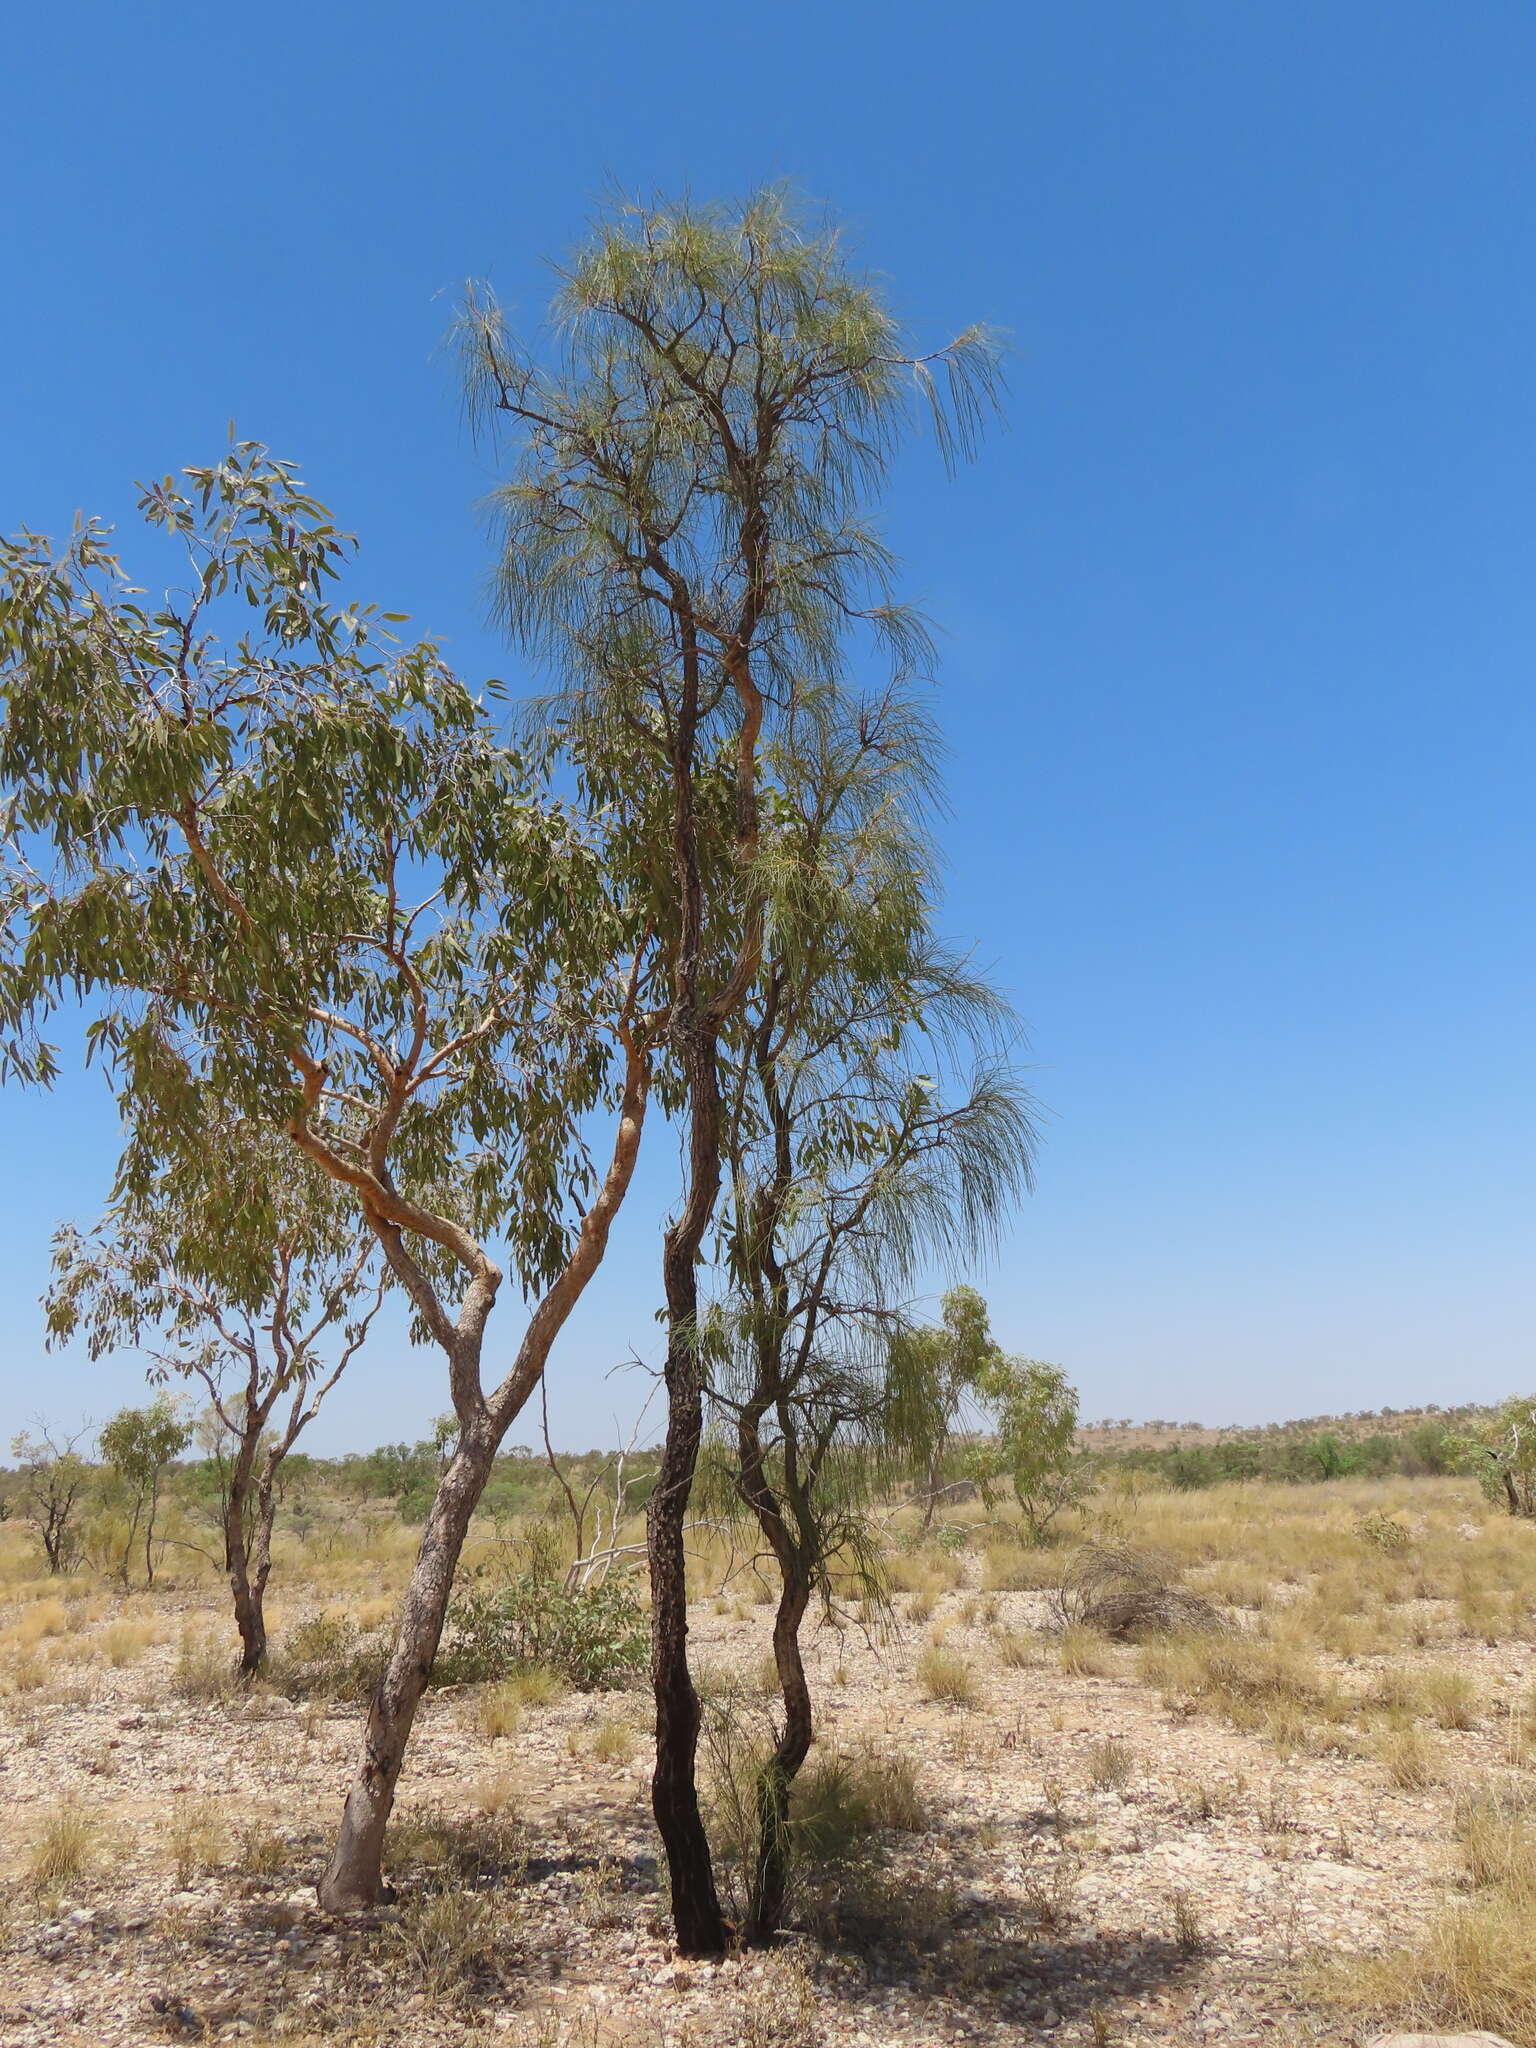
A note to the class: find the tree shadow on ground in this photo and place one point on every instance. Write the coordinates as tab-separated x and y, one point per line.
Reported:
990	1959
1013	1949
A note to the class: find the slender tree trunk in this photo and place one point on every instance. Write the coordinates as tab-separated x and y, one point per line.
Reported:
260	1567
770	1880
935	1474
249	1619
246	1595
125	1569
149	1533
697	1920
250	1566
354	1878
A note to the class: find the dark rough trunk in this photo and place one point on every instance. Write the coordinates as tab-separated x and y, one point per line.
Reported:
250	1619
698	1922
700	1925
354	1878
770	1879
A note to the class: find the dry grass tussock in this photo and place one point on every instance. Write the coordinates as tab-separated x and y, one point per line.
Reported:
944	1676
1475	1965
64	1849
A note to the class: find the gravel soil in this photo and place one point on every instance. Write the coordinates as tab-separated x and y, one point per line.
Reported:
1191	1903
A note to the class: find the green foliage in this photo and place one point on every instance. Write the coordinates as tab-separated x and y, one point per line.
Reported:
1298	1456
1383	1532
729	391
933	1372
595	1636
851	1161
1035	1406
684	534
1502	1455
138	1443
300	881
1427	1448
170	1270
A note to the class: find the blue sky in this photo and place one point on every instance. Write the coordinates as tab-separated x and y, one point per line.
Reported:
1238	611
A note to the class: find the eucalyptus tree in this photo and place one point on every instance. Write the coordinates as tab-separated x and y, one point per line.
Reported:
1502	1454
1034	1407
937	1369
681	533
298	880
140	1444
873	1124
243	1268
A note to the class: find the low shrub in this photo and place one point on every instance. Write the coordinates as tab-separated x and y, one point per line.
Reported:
1110	1765
613	1741
205	1671
1408	1758
194	1836
1083	1653
327	1657
1247	1678
1009	1568
1017	1651
1498	1842
1474	1967
595	1637
1383	1531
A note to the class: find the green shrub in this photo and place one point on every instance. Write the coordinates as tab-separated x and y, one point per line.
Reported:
596	1637
1384	1531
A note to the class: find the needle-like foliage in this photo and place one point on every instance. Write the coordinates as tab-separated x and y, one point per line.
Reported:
874	1125
683	536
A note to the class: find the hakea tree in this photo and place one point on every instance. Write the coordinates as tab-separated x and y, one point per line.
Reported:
243	1268
299	881
873	1124
683	536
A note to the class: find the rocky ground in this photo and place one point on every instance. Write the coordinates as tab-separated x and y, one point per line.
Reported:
1189	1902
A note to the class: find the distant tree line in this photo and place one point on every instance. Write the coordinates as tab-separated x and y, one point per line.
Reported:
1432	1445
